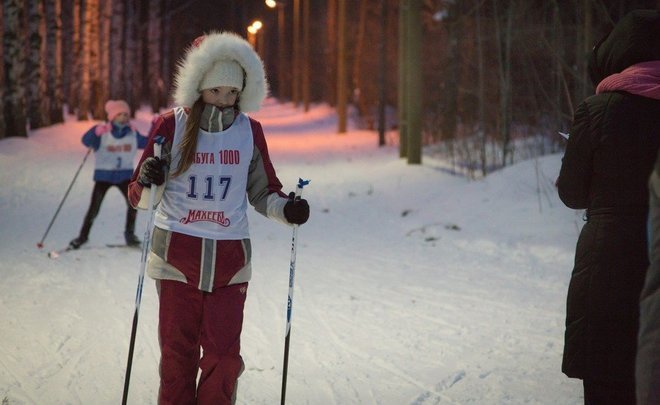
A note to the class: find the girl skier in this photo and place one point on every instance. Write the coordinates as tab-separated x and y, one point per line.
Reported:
215	160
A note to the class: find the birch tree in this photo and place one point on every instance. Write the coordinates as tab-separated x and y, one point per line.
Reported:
481	93
454	26
153	51
96	83
3	126
357	55
165	71
37	107
132	59
504	37
330	82
116	55
53	10
84	86
67	48
75	65
14	65
105	13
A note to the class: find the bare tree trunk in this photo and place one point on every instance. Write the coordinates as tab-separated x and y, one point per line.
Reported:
587	42
131	54
454	27
504	38
116	55
295	65
77	70
165	73
68	52
53	12
481	125
139	86
281	52
403	88
414	97
382	72
85	86
357	59
105	16
96	102
14	64
3	124
305	56
153	51
331	54
557	30
342	82
36	66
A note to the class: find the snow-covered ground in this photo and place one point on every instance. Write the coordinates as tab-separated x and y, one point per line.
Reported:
412	286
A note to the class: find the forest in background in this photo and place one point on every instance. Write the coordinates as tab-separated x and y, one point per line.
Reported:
496	74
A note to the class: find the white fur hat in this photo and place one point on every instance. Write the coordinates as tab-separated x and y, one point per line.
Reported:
208	63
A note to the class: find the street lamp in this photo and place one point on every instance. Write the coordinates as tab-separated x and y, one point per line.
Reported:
252	30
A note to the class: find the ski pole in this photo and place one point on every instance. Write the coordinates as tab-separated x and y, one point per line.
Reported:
292	273
143	264
40	244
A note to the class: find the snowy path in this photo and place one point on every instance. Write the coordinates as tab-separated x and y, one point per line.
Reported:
412	286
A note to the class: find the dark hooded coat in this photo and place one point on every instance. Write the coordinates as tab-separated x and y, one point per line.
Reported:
609	157
648	350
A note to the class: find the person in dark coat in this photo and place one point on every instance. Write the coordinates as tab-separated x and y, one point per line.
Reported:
648	349
609	156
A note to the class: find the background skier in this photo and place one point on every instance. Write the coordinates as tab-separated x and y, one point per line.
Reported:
115	145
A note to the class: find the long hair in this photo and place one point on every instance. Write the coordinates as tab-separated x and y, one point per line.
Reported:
188	143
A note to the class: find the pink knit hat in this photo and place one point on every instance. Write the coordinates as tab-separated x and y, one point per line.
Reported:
115	107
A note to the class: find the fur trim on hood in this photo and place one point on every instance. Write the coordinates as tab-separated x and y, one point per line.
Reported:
202	55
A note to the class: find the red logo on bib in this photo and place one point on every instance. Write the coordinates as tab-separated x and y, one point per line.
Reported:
217	217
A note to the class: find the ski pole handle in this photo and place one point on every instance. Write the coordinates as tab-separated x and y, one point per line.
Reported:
299	187
157	149
152	198
152	193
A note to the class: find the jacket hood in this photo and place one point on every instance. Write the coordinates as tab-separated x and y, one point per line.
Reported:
205	53
634	39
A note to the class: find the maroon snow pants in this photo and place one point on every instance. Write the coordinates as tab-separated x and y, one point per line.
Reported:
190	319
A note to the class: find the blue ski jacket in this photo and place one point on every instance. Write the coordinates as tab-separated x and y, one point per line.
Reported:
126	136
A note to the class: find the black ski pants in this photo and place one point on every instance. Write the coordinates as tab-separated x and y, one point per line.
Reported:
98	193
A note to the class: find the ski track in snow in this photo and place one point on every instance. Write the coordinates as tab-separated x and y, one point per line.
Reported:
412	286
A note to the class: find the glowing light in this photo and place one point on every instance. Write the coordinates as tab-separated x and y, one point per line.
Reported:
271	3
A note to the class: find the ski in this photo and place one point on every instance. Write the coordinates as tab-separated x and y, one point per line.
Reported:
54	254
123	245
